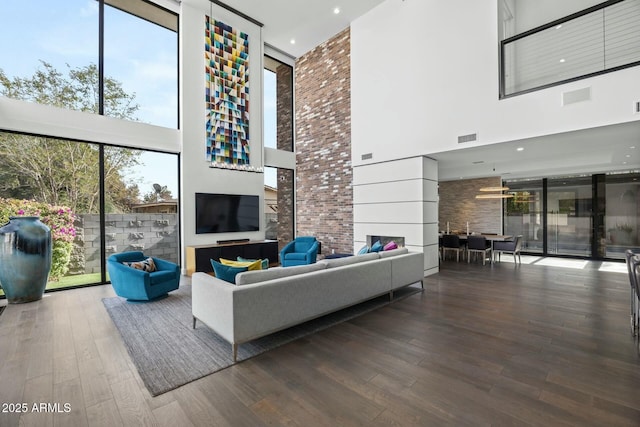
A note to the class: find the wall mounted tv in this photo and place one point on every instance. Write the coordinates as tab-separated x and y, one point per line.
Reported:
226	213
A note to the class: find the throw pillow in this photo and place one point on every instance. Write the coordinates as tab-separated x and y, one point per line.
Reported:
363	250
145	265
226	272
390	246
251	265
376	247
265	262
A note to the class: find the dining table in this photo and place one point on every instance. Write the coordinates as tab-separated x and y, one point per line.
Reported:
490	237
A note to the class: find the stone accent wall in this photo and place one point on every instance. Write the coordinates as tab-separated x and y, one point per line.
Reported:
324	196
458	204
154	234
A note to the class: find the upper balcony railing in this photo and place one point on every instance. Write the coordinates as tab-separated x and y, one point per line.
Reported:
597	40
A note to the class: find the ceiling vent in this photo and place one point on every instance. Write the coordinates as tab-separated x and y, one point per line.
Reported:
367	156
467	138
575	96
636	107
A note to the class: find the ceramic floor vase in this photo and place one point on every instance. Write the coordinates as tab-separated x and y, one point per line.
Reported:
25	258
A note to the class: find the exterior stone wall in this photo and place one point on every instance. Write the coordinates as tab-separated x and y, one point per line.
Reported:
458	204
324	196
154	234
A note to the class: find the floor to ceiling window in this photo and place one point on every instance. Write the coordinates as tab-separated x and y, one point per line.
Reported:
569	216
107	198
278	135
592	216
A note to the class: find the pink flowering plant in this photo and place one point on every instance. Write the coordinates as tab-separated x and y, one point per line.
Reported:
59	219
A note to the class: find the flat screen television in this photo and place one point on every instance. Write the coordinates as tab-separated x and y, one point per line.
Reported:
226	213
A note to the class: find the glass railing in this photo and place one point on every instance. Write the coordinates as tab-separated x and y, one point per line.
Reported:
597	40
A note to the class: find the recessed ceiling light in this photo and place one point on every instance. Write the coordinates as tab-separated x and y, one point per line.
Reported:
336	10
628	155
558	26
292	41
632	147
520	149
562	60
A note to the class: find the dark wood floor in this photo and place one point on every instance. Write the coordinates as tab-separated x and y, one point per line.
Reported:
483	345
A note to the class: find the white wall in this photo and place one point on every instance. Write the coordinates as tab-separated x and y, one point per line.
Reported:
196	175
530	14
425	72
398	199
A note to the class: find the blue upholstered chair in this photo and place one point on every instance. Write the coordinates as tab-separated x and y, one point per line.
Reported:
303	250
138	285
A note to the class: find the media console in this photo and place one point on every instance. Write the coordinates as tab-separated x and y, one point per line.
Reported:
199	256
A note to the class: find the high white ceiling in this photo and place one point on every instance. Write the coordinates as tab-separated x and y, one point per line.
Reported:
311	22
308	22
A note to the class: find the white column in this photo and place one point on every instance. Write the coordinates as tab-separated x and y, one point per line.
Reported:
398	198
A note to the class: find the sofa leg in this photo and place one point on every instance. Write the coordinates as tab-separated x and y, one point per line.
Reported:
234	351
194	322
422	283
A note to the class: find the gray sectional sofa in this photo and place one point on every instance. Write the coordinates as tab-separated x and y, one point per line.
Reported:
265	301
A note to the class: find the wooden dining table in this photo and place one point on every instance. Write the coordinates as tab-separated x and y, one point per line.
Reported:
490	237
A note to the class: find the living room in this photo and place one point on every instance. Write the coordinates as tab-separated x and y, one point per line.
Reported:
367	156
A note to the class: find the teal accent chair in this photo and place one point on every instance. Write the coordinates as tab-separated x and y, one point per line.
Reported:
138	285
301	251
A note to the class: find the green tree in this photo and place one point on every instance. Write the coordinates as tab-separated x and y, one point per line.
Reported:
64	172
161	194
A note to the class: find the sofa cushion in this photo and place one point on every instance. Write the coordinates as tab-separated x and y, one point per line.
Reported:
145	265
338	262
376	247
264	262
389	246
251	265
226	272
250	277
363	250
394	252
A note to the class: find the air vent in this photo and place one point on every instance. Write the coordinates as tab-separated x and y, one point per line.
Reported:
636	107
576	96
367	156
467	138
478	162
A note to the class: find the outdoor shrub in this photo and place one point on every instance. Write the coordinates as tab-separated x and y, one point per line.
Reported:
59	219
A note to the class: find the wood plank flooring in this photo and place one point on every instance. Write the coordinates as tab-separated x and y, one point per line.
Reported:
482	345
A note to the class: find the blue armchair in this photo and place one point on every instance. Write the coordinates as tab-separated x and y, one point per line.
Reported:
138	285
303	250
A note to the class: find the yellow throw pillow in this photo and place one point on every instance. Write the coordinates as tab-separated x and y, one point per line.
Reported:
254	265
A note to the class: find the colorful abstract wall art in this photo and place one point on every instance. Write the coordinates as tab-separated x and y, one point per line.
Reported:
226	94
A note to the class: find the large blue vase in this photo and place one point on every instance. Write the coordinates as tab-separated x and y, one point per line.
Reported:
25	258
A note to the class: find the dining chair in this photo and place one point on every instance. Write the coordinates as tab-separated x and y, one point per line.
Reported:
633	261
478	244
451	242
510	247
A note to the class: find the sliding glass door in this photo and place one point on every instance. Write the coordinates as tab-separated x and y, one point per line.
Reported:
523	214
569	216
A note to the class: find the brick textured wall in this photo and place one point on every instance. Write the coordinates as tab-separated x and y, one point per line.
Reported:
324	197
458	204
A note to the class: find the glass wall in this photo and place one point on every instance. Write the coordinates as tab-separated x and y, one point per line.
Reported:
56	61
59	181
622	216
141	61
523	213
592	216
569	216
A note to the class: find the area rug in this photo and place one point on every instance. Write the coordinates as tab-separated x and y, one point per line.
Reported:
169	353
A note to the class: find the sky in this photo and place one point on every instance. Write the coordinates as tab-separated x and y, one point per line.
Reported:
140	55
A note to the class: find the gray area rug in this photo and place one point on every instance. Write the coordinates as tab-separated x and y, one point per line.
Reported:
168	353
